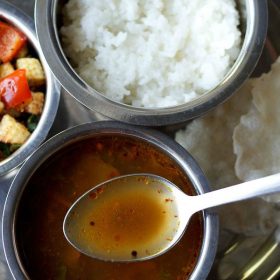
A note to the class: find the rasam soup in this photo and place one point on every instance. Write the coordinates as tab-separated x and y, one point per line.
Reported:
44	251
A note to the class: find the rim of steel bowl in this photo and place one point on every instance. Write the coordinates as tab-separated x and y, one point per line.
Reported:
11	14
157	139
48	18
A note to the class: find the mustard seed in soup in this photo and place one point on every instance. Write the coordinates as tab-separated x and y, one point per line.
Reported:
59	182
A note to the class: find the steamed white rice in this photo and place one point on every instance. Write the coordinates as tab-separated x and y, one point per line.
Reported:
151	53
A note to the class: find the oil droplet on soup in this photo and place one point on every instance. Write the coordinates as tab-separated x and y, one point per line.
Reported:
123	222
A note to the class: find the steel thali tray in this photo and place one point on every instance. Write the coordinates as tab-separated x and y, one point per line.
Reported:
67	118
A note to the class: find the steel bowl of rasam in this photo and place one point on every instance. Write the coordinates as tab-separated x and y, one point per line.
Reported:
71	163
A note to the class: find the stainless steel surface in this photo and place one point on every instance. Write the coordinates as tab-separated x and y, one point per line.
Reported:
47	18
235	250
264	264
26	24
78	133
251	258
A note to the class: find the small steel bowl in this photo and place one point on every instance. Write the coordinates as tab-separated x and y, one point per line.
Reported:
254	26
160	141
15	17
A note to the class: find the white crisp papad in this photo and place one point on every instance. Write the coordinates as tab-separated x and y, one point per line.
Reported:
257	137
209	140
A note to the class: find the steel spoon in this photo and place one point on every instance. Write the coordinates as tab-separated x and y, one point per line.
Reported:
183	207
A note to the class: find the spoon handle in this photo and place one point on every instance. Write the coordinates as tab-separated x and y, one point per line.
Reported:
246	190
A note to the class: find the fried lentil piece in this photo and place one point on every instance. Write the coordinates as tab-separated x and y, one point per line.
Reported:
34	70
35	107
12	131
6	69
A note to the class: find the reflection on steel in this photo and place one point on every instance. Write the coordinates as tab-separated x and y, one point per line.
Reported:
250	258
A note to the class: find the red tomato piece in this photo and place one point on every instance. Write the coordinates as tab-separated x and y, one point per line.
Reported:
11	41
14	89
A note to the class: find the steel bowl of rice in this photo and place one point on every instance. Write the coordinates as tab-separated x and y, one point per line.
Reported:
154	63
29	94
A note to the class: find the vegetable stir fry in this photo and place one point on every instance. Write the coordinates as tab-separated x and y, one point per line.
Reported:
22	87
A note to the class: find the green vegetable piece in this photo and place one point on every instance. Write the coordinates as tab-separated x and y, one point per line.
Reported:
14	147
32	122
5	149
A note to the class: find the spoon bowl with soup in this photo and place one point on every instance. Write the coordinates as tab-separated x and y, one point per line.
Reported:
141	216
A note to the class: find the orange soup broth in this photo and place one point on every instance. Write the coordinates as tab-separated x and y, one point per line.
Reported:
122	223
44	251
